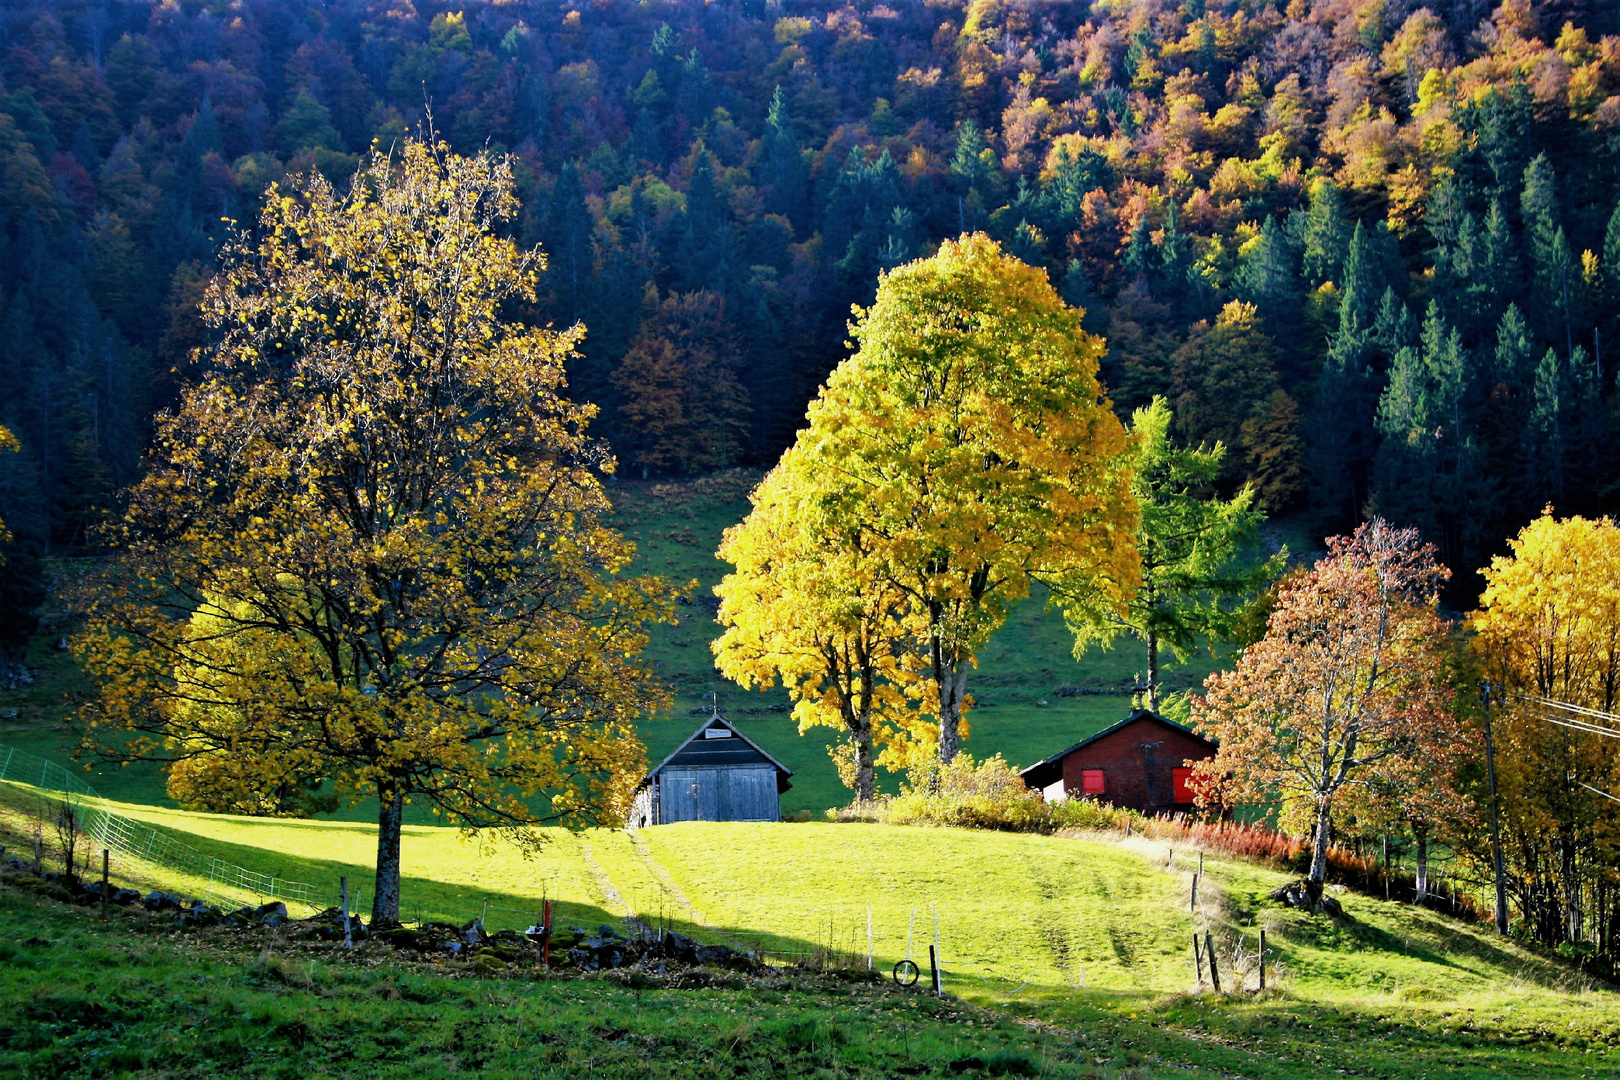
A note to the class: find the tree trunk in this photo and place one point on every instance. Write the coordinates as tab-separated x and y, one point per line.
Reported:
951	680
1153	670
865	778
1422	838
1319	844
385	899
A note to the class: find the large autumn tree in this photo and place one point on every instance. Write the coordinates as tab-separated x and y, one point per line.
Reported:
968	449
1548	630
370	552
813	612
1344	689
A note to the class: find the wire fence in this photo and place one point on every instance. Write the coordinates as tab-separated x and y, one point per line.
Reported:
125	835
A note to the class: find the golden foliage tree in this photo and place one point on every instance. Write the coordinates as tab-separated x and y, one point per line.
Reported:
1548	627
967	450
370	552
1344	689
814	614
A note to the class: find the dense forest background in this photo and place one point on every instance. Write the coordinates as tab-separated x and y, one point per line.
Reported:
1371	246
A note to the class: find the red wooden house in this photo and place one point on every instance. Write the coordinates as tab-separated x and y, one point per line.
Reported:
1142	762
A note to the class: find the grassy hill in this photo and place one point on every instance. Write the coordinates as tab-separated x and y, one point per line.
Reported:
1087	934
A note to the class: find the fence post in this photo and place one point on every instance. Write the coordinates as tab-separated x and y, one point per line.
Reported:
933	971
545	935
343	893
1192	903
1209	953
103	883
1262	958
1198	961
868	937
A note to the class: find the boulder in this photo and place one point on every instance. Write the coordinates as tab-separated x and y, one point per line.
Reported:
1308	896
126	896
274	908
161	901
473	933
681	947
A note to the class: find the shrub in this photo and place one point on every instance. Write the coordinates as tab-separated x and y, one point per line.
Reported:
986	794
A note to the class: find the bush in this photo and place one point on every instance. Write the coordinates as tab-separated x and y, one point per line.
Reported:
987	794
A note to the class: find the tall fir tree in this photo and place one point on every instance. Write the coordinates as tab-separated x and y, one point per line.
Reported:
1426	465
1347	395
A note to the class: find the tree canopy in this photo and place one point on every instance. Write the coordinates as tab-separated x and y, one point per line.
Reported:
370	551
967	447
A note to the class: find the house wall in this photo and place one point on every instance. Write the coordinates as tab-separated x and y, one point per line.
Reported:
1138	761
718	793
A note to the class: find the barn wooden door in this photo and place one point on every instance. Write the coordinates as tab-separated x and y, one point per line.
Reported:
728	793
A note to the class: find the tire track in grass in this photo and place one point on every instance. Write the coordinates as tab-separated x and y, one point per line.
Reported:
610	895
666	882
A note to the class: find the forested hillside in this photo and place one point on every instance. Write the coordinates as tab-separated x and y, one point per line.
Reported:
1371	246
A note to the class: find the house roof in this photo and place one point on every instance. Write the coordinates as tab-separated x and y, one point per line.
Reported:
714	721
1035	775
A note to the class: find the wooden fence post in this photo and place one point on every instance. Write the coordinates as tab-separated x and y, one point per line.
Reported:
343	895
1198	961
545	935
868	937
1262	958
103	883
933	971
1192	903
1209	953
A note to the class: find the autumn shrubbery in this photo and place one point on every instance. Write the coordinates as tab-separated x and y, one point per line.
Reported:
986	794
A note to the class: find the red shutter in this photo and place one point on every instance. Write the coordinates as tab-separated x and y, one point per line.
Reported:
1093	782
1184	792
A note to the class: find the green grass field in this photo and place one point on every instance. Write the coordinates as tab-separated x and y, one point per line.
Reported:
1070	935
1080	947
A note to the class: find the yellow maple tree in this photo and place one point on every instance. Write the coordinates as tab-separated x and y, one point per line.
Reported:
967	450
812	613
1548	630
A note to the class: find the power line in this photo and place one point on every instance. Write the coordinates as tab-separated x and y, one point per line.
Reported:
1576	725
1595	791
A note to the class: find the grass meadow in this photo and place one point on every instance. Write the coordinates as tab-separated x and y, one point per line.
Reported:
677	528
1079	948
1062	956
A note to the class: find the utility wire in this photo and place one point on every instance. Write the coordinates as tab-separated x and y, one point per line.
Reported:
1595	791
1576	725
1581	710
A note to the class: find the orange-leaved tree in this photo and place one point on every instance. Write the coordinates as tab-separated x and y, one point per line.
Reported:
968	449
1344	688
370	556
812	612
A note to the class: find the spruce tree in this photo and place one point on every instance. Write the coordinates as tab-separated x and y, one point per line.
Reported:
1554	271
782	170
1425	467
1325	235
1347	396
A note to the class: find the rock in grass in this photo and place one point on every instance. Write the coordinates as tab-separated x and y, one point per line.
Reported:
1308	896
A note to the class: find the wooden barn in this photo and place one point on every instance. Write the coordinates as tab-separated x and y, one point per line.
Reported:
717	774
1142	763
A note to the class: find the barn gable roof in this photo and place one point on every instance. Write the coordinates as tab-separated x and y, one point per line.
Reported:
783	772
1037	774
